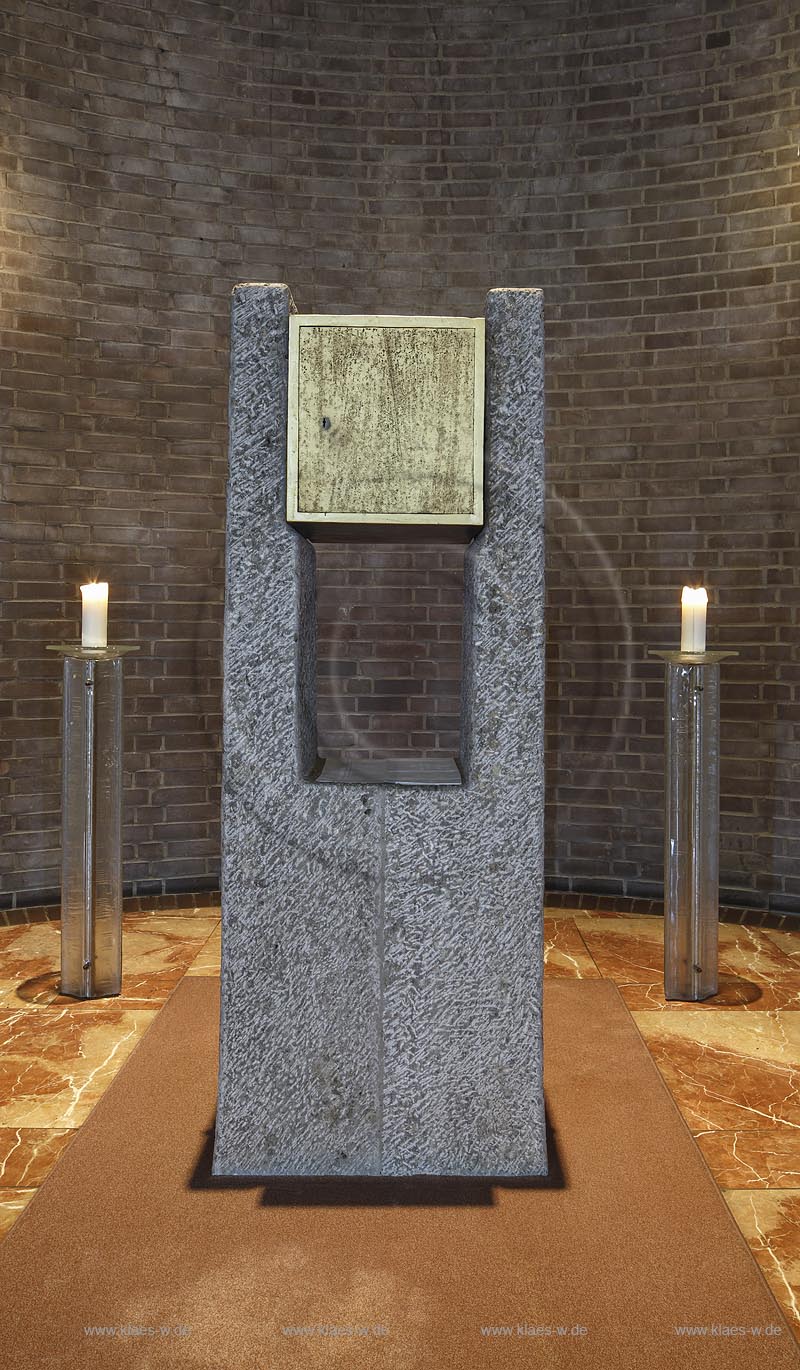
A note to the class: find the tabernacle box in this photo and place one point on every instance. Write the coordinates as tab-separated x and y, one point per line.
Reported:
385	419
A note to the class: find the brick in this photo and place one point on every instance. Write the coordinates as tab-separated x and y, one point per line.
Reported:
666	256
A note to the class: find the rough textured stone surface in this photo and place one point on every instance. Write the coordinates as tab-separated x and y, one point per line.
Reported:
462	899
381	974
299	1065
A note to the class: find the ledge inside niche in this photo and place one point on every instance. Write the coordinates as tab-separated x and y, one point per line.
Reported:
412	770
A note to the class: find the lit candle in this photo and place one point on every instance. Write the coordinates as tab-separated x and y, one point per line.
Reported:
94	625
693	618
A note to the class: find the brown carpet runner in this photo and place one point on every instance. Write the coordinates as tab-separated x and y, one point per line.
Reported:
130	1255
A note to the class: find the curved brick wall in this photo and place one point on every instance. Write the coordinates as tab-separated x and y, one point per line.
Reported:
639	162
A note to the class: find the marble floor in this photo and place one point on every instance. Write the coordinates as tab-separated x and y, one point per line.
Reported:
732	1063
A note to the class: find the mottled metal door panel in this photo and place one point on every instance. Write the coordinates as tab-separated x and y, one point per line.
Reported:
386	419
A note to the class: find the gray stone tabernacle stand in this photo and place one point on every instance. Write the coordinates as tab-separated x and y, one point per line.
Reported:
382	945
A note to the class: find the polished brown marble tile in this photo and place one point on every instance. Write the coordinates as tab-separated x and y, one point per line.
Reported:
751	954
770	1220
12	1202
735	991
8	992
27	951
27	1154
728	1069
565	953
207	960
555	911
158	950
753	1158
753	972
155	953
787	941
56	1063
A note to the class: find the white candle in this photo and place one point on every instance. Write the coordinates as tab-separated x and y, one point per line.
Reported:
94	624
694	602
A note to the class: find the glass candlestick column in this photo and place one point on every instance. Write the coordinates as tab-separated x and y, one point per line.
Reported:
691	824
91	821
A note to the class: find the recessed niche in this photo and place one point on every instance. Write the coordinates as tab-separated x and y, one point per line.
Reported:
385	477
389	624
